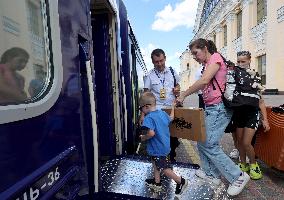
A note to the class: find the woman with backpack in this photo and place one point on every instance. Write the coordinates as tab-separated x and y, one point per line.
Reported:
214	161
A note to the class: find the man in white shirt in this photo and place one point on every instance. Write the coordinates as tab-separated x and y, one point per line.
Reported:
164	83
160	80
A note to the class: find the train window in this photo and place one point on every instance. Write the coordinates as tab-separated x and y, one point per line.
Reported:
30	48
24	61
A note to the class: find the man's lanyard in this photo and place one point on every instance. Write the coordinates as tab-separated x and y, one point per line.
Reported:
162	81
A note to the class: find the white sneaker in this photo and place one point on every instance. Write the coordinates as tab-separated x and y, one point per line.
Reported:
247	159
201	174
234	154
237	186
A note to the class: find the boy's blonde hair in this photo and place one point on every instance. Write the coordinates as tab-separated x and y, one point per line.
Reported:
147	98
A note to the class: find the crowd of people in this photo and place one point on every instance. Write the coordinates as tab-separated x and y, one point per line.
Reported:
161	88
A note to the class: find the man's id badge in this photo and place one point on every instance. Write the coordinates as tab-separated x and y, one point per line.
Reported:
162	93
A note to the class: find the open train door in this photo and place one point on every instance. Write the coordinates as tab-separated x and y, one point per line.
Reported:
107	77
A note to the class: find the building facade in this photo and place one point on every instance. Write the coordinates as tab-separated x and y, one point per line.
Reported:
252	25
189	70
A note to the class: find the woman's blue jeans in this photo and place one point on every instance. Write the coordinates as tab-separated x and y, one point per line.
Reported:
213	159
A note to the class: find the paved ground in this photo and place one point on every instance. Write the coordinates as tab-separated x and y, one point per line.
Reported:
270	187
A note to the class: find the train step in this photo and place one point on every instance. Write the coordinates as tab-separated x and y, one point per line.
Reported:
125	177
111	195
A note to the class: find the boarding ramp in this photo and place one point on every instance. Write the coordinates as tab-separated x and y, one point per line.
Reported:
126	175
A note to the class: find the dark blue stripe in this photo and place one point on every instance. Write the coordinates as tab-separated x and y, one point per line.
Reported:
29	180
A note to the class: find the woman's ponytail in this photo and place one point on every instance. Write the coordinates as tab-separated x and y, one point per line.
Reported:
202	43
211	47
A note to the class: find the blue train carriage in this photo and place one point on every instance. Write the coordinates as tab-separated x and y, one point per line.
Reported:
116	81
138	71
65	100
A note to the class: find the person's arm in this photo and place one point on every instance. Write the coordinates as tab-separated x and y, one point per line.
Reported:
149	125
141	118
149	135
147	83
265	122
176	90
207	76
11	92
172	115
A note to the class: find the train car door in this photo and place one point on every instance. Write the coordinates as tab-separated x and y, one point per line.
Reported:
117	81
103	84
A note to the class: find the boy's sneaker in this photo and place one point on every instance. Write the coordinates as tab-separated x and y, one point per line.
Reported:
244	168
237	186
201	174
180	187
255	172
234	154
152	184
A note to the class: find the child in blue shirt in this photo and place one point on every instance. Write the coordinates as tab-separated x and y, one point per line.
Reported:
158	141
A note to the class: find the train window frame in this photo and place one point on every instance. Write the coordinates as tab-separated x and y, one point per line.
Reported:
53	87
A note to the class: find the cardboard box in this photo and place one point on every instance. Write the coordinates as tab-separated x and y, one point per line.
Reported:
188	123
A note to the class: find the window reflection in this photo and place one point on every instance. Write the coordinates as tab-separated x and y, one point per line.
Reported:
12	82
24	62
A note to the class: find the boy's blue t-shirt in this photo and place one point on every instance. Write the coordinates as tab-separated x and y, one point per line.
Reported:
158	121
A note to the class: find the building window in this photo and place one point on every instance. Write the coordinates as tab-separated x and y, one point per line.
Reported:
239	24
209	5
261	10
187	66
34	18
225	35
261	60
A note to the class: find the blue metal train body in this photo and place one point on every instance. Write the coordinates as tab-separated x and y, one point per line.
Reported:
52	144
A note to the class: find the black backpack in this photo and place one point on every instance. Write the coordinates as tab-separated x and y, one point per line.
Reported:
242	86
175	81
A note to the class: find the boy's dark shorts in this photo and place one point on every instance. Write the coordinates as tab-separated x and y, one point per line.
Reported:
161	162
246	116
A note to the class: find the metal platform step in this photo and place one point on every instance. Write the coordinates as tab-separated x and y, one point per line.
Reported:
127	175
112	196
